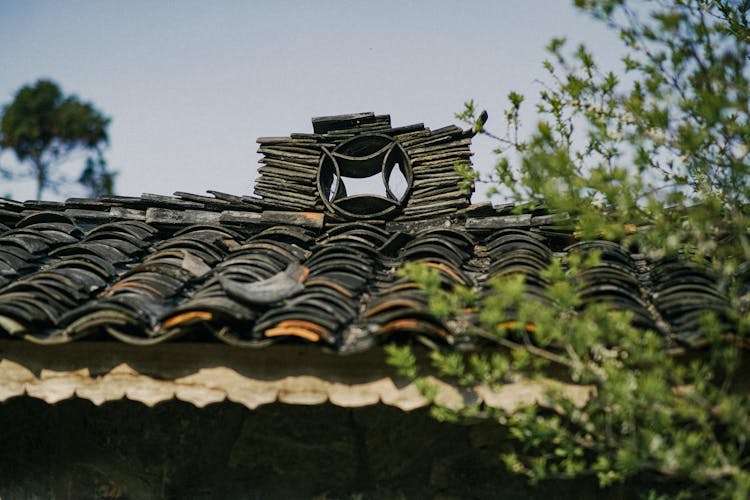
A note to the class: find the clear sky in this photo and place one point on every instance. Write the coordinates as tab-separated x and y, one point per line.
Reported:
191	85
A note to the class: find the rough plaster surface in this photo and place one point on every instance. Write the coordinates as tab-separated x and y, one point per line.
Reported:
217	384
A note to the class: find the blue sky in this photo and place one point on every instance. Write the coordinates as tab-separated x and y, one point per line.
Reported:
191	85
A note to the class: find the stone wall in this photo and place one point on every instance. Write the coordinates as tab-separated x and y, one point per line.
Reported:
75	450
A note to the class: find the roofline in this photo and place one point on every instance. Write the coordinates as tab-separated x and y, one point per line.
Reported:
206	373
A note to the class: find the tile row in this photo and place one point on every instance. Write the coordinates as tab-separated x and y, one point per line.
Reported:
338	285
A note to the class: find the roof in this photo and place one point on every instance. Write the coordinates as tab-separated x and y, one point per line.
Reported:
304	262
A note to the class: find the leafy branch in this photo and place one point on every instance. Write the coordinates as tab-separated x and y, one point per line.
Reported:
654	157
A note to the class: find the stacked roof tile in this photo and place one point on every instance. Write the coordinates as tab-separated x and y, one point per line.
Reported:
298	263
306	171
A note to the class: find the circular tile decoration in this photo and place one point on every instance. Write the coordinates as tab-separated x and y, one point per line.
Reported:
364	156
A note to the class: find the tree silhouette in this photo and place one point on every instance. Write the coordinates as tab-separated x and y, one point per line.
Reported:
44	128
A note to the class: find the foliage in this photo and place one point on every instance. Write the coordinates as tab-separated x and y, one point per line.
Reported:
43	127
655	158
